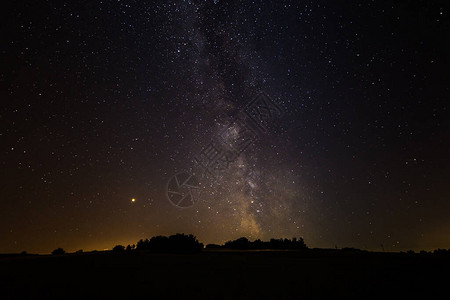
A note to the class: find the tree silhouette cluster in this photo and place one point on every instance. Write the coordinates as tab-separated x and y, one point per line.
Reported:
58	251
121	248
274	244
179	243
439	252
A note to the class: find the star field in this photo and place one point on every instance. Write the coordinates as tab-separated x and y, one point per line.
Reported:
102	103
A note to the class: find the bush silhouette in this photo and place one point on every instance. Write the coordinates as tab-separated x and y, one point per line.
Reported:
118	248
58	251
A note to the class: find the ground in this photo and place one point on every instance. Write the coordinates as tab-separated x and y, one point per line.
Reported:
220	274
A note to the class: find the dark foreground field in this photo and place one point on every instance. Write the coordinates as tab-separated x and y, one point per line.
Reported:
225	275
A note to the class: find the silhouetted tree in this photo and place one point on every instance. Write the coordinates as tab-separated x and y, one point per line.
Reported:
142	245
241	243
300	244
58	251
159	244
118	248
184	243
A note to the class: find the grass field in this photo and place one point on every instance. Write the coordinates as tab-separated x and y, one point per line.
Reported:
224	274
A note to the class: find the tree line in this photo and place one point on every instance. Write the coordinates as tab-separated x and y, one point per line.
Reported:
188	243
273	244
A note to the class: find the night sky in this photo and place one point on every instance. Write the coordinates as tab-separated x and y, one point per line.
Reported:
104	102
